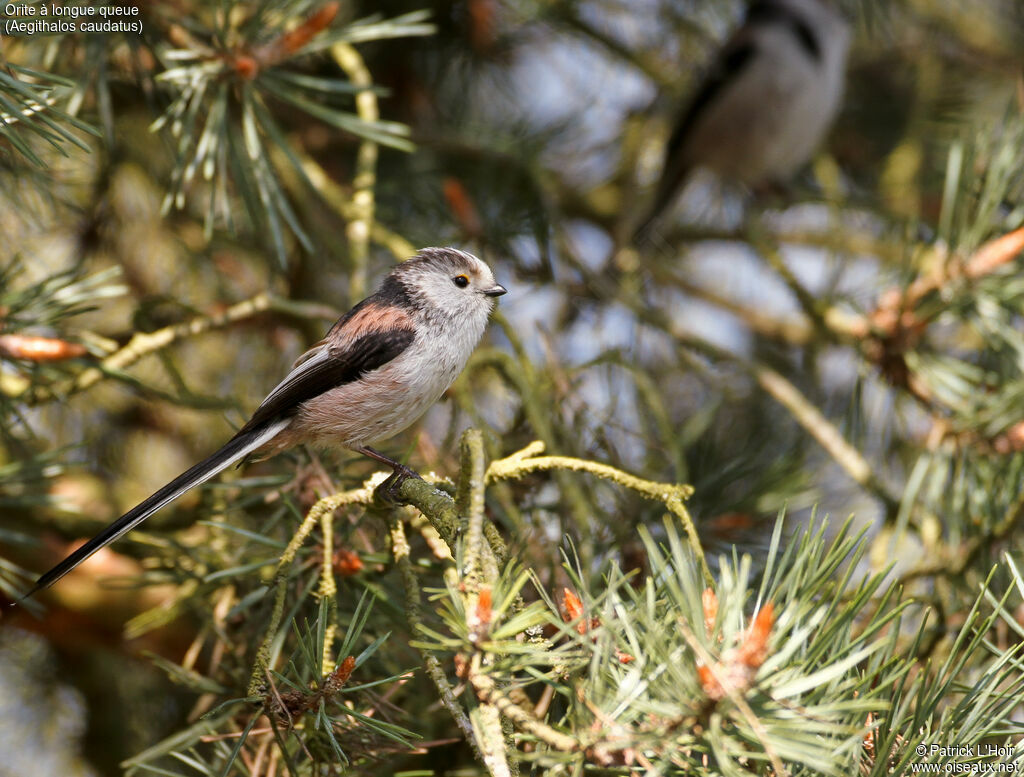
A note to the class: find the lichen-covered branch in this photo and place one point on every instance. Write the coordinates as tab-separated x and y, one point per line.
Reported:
413	613
519	373
480	561
488	692
145	343
527	460
358	228
328	589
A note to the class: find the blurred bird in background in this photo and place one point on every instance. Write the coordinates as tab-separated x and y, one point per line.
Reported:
765	105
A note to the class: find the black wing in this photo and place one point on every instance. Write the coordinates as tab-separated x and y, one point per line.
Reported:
328	366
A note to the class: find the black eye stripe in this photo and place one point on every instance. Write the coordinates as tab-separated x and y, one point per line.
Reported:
768	13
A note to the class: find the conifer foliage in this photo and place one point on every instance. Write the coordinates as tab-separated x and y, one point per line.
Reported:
743	499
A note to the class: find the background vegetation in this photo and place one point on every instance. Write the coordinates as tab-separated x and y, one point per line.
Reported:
184	209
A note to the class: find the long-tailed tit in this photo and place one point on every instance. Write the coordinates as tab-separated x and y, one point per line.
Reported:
767	102
380	367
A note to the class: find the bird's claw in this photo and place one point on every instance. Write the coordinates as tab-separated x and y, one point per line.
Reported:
388	490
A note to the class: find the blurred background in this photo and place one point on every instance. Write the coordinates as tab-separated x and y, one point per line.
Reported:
185	210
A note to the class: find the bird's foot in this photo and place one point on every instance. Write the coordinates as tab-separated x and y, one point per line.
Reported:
388	490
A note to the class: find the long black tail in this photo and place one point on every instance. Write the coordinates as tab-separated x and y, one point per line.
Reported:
238	447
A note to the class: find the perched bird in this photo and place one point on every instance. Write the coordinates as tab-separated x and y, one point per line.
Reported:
767	102
380	367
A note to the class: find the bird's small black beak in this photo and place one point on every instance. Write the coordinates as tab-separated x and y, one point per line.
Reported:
496	290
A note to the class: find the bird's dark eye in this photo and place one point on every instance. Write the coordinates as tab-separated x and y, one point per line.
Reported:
461	281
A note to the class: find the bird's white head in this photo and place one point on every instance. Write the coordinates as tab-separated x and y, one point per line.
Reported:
819	20
450	285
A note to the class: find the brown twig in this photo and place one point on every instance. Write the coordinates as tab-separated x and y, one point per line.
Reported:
897	307
249	62
145	343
